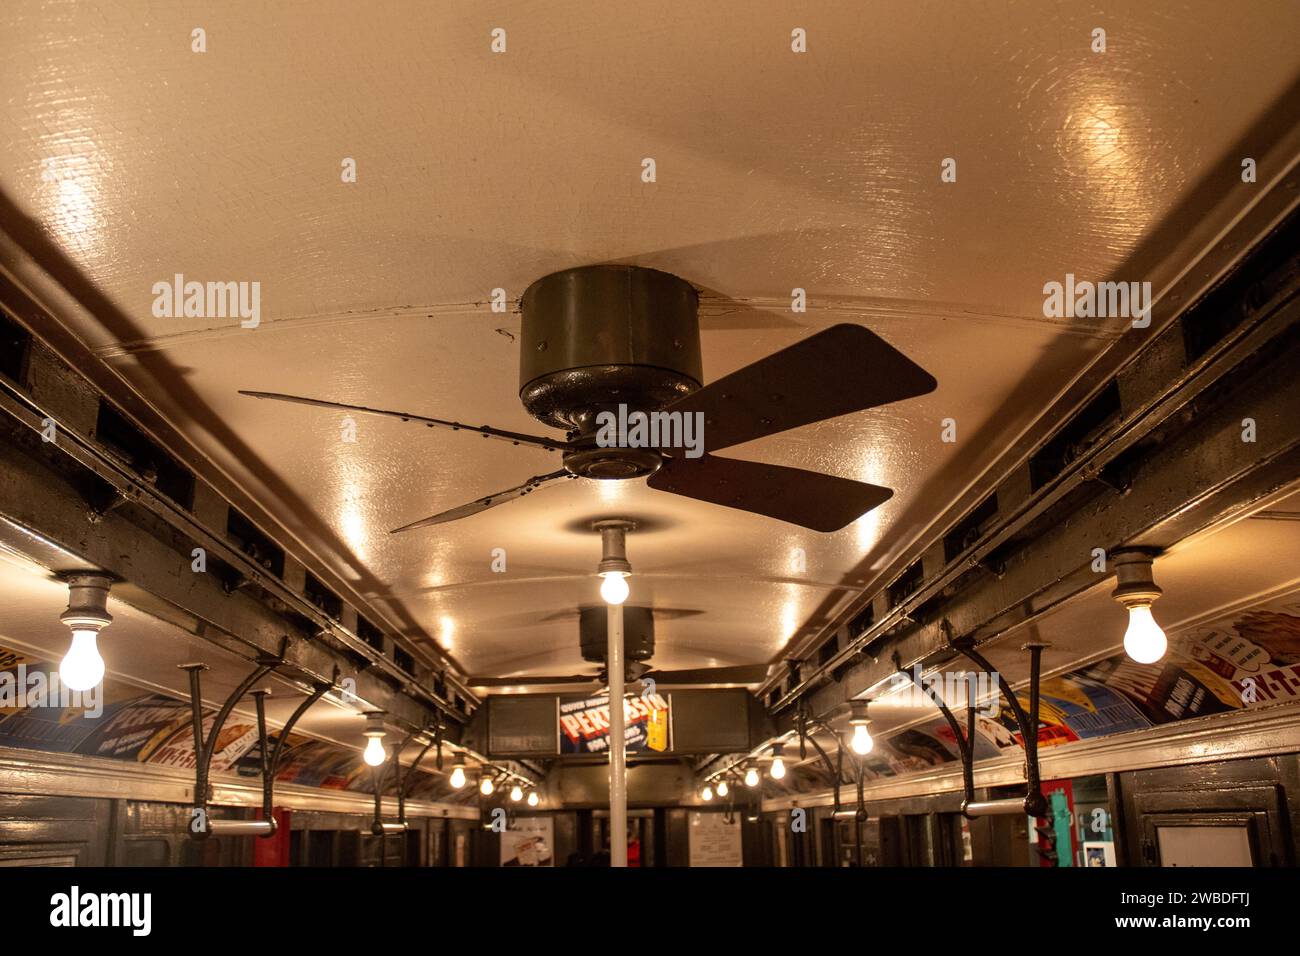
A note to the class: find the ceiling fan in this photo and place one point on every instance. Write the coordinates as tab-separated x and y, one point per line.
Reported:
638	647
607	343
635	672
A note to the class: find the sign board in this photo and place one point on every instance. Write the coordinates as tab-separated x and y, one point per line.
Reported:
530	841
584	724
714	841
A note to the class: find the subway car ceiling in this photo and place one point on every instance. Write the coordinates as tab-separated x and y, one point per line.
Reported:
384	250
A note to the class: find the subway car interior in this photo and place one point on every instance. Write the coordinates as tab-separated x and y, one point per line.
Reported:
895	405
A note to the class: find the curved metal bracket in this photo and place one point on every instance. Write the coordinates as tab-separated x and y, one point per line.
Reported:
378	826
404	787
1034	803
201	827
859	812
965	744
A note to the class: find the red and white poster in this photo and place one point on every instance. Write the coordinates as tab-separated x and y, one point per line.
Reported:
584	724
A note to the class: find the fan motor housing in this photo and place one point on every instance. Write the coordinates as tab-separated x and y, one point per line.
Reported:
597	337
638	633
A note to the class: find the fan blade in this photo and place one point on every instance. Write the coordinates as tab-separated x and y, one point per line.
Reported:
515	438
843	369
522	681
483	504
740	674
806	498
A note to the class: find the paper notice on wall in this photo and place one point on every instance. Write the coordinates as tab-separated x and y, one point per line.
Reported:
529	841
714	841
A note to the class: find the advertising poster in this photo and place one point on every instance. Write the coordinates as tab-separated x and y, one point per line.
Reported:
714	841
584	724
129	731
1086	707
1256	652
1099	854
318	764
1163	692
529	841
40	713
177	748
916	750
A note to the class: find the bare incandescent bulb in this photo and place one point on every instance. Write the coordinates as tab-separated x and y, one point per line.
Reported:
778	768
533	799
861	742
1135	588
751	777
82	668
706	794
86	615
613	587
486	787
517	793
458	776
1144	641
374	754
723	789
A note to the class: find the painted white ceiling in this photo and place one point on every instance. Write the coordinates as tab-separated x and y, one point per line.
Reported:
775	170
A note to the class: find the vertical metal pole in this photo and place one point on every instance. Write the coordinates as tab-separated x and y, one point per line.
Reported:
199	819
617	758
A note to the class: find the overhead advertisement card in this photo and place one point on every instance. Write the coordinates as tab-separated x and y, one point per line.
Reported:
584	724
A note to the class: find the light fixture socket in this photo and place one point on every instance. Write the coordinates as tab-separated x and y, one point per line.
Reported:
776	750
858	712
87	602
613	546
1134	584
374	724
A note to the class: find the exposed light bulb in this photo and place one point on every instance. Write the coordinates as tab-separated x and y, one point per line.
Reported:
706	794
375	754
778	768
613	587
751	777
1144	641
517	793
533	798
458	777
861	742
87	613
486	787
723	789
82	668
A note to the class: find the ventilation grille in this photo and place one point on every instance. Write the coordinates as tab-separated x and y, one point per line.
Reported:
119	435
329	603
1074	438
257	546
15	343
369	633
970	529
